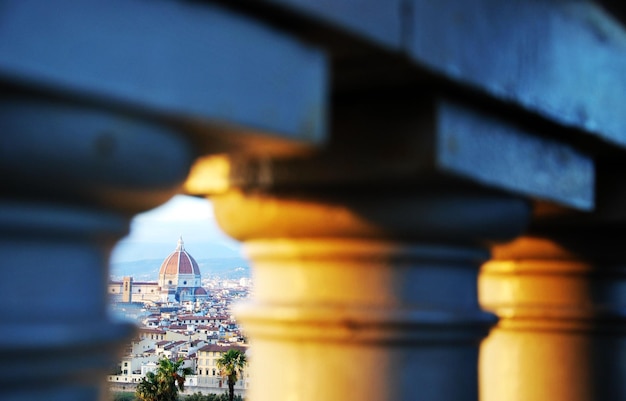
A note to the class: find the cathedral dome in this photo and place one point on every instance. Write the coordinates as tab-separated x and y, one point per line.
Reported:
179	262
200	291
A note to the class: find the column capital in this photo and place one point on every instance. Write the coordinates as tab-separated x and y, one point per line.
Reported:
559	294
424	213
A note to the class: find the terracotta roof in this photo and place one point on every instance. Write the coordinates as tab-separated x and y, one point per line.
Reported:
194	317
173	345
177	327
134	282
221	348
179	262
151	331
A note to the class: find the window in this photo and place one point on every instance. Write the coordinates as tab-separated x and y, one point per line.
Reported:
185	282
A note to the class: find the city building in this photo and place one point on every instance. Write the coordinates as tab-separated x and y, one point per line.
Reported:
179	280
200	339
208	372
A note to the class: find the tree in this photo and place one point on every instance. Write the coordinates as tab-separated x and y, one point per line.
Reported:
231	366
164	384
147	389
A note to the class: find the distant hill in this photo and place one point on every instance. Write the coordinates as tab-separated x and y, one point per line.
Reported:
148	269
224	268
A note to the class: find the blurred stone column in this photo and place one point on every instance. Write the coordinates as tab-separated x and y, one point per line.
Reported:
72	176
560	298
366	292
103	108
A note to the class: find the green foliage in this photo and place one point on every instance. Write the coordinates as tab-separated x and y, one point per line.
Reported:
123	396
211	397
195	397
164	384
231	366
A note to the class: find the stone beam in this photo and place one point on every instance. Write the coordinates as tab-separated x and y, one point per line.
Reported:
539	56
395	139
217	75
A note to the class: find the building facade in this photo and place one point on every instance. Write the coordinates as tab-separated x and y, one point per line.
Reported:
209	373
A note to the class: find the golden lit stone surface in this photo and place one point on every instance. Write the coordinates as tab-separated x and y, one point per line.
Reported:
560	336
208	174
366	295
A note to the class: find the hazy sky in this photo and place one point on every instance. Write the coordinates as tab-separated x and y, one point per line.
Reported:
154	234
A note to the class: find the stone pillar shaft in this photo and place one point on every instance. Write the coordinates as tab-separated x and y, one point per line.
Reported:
366	296
561	333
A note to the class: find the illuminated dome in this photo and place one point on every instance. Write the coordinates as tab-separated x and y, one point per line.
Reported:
179	262
179	277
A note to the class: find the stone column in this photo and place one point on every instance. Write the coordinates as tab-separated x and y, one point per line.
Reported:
366	292
561	336
72	177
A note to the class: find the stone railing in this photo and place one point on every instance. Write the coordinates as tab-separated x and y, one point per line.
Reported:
372	156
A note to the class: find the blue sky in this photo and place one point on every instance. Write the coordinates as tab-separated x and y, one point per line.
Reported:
153	234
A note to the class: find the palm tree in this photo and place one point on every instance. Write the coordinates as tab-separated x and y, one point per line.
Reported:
164	384
231	366
148	388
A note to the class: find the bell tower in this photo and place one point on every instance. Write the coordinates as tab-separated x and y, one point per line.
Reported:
127	289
